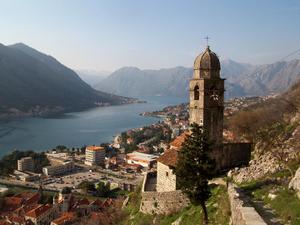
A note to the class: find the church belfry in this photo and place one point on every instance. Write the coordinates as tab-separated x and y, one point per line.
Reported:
207	95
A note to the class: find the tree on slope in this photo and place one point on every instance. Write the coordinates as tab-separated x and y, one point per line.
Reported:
195	167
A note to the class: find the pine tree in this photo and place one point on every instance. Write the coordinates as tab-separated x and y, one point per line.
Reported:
195	167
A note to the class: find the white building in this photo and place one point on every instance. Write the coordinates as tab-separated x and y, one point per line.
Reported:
26	164
59	169
94	155
145	160
58	155
26	176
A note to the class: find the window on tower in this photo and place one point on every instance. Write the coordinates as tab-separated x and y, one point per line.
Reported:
196	93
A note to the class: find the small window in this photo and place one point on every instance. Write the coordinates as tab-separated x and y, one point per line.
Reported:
167	174
196	93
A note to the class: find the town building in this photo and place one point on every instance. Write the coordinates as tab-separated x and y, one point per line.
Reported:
64	167
131	168
25	164
94	156
21	200
58	155
42	214
143	159
26	176
65	219
25	209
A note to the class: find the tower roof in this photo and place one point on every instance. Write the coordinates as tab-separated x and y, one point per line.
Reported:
207	60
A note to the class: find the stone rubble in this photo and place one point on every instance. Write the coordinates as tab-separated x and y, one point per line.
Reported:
258	168
272	196
295	182
177	222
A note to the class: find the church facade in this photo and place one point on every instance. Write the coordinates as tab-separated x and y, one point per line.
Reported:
206	90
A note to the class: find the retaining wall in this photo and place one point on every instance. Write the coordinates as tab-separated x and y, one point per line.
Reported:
242	212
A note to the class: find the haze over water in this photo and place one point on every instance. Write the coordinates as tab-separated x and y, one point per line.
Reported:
94	126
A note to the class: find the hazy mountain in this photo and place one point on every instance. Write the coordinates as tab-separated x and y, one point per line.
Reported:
92	77
276	77
35	84
167	82
136	82
234	70
241	79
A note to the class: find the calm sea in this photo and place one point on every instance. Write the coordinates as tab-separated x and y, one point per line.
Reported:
94	126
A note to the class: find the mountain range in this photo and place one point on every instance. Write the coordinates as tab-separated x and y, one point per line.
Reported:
92	77
33	83
241	80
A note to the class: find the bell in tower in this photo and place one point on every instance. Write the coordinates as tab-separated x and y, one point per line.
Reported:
207	95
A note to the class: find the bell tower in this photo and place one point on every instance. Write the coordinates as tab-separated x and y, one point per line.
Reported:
207	95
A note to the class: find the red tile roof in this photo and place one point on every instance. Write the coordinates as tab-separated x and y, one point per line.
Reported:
97	202
177	142
132	166
65	218
169	158
105	218
16	219
94	148
28	208
38	211
19	200
12	203
108	202
83	201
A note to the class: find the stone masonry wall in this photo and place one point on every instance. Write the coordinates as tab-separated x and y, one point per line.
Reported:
166	179
242	213
154	202
163	202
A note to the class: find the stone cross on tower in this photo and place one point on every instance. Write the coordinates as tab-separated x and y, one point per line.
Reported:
207	38
207	95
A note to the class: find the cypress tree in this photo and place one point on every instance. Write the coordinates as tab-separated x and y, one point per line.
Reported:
195	167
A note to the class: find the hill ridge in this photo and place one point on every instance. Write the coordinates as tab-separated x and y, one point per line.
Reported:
35	84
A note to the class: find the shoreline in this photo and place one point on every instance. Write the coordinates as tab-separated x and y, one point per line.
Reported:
17	115
102	124
7	130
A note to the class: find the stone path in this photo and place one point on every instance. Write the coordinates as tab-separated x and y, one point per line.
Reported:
266	213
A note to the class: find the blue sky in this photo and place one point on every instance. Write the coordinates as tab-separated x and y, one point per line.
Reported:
109	34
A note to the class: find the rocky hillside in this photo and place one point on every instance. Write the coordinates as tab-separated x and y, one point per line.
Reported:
271	181
34	84
242	79
274	128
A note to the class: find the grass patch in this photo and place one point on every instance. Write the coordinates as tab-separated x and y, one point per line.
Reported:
286	205
218	211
